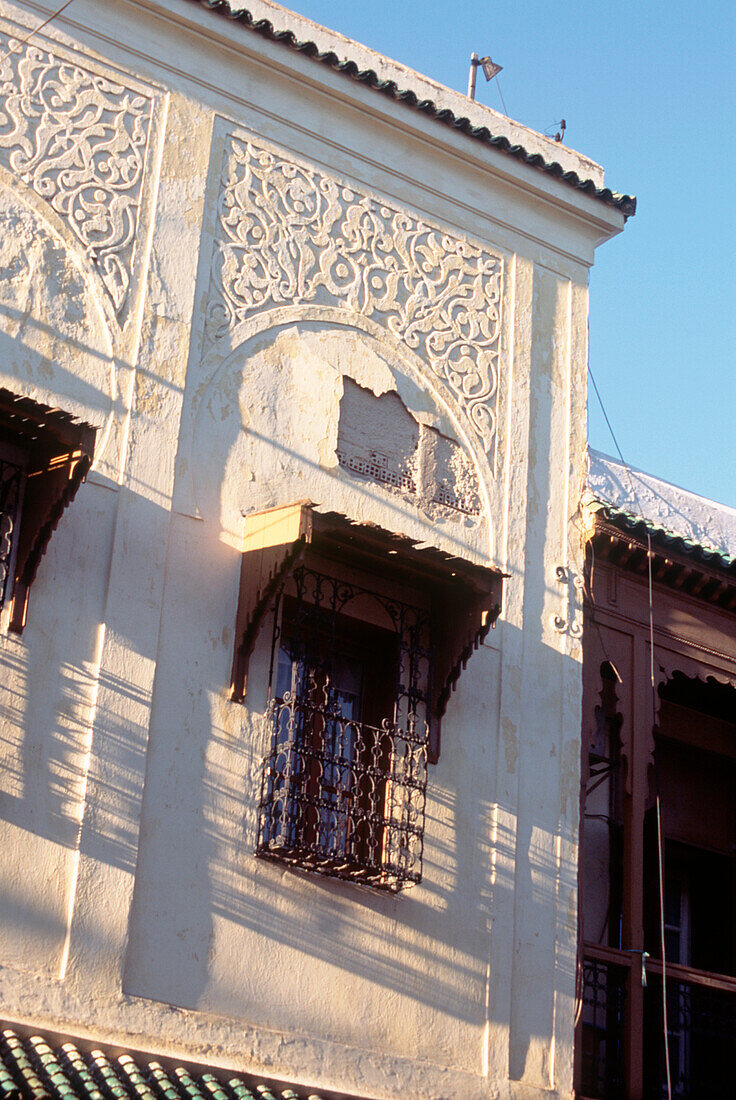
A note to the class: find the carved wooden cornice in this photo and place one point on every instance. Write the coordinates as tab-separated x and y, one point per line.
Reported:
693	570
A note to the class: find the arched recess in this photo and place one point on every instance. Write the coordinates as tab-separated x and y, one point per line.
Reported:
228	372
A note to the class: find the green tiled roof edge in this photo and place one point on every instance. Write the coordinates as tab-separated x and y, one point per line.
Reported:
625	203
664	537
38	1067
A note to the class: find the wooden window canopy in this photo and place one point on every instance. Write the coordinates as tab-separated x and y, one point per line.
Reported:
58	452
464	598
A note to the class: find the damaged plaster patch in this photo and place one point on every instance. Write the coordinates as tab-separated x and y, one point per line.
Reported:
380	440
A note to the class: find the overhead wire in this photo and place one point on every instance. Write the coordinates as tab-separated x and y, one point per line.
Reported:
35	30
503	104
653	686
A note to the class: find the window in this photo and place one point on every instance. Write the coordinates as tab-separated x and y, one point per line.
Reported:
369	636
44	457
12	480
691	757
344	782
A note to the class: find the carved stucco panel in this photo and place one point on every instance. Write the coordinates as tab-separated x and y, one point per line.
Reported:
78	140
289	234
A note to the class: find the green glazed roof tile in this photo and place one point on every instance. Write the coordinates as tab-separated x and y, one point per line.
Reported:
16	1060
136	1082
76	1069
212	1087
8	1088
187	1084
37	1067
664	537
158	1080
107	1076
48	1067
239	1090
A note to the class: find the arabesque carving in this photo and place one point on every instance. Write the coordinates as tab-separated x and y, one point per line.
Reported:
289	234
79	141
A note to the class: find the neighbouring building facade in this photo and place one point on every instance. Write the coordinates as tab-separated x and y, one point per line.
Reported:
293	350
659	726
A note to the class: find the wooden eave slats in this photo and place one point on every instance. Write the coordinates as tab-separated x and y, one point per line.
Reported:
59	451
695	578
368	547
465	598
29	421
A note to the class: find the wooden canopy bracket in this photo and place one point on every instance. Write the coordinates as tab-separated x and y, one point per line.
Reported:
465	598
461	622
59	452
271	544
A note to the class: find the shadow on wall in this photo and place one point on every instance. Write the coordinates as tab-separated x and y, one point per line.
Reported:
195	868
213	928
209	923
208	920
72	736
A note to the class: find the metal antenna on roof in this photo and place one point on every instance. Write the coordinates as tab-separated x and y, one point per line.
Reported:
490	69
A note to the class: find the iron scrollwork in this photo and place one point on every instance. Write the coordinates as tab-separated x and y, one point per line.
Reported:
11	475
344	780
289	234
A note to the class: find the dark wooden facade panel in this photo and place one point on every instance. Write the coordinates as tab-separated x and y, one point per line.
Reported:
694	636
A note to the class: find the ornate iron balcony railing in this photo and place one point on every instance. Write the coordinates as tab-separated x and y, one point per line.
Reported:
701	1029
11	475
342	797
345	775
701	1025
601	1057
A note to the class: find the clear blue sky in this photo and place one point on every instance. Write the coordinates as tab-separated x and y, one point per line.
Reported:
648	90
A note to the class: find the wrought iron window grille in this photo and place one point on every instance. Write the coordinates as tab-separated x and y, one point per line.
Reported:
344	779
604	991
702	1039
11	483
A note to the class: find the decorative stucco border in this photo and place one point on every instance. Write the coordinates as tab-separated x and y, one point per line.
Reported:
287	232
81	137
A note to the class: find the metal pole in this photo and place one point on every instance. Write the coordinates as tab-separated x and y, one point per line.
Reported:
472	75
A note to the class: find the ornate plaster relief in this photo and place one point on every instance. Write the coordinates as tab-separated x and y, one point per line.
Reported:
55	339
287	233
78	139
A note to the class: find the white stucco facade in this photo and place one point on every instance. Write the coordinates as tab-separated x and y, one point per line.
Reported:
241	235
